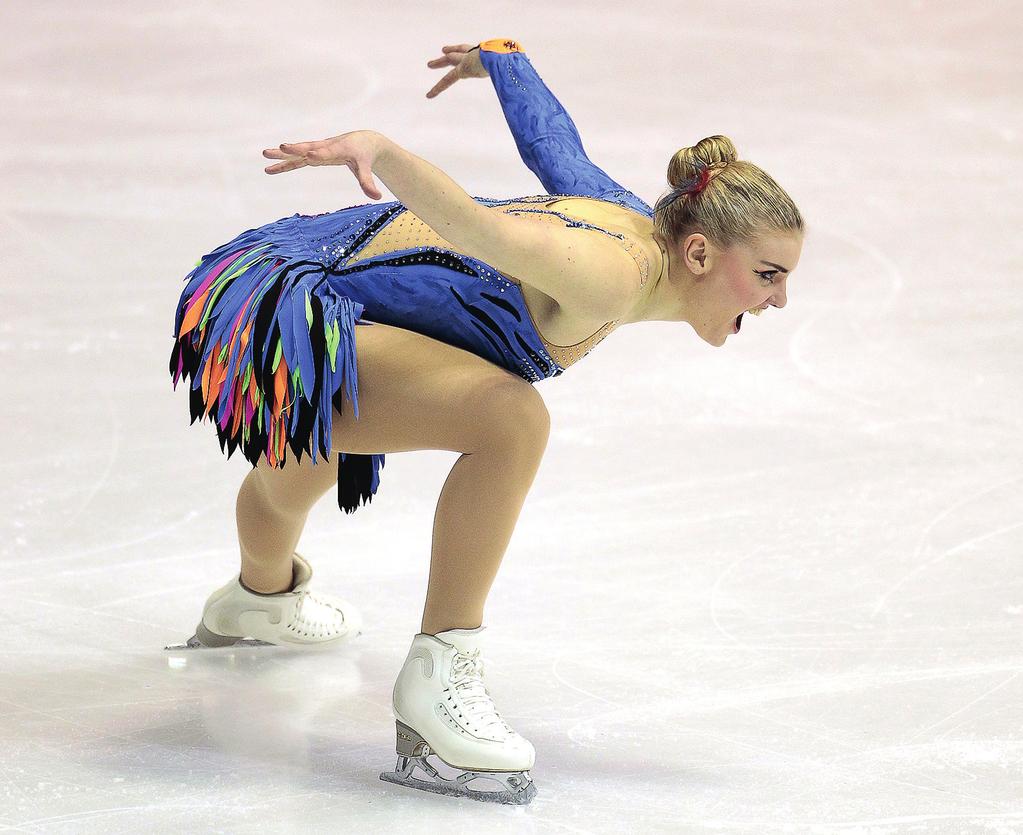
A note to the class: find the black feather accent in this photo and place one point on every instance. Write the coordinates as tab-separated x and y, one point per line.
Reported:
354	477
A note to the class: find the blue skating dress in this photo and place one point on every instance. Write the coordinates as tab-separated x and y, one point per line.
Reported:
265	326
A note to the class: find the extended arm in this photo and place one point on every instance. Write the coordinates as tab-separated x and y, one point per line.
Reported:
581	273
544	133
590	275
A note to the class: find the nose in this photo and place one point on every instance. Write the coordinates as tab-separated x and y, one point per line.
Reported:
778	297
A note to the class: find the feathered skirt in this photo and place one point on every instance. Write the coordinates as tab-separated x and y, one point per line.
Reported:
270	348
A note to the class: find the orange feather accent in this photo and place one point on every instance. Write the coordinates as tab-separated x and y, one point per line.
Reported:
206	382
194	314
217	377
234	335
280	387
271	455
238	409
253	392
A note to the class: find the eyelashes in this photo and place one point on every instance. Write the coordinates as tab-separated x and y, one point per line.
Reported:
767	275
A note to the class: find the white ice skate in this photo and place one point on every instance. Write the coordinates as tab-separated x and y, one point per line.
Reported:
235	616
442	708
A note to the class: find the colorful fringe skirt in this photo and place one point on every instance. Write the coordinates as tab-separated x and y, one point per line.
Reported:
270	348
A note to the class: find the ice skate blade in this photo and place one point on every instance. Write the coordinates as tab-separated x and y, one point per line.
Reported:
195	643
518	787
205	639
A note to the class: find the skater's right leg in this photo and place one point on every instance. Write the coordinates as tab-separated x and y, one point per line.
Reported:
476	515
419	393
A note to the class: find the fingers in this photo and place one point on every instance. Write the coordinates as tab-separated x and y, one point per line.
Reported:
454	55
365	179
318	150
449	60
295	155
444	83
300	148
318	156
292	158
451	57
290	163
286	151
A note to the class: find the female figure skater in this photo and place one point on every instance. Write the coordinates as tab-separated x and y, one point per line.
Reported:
433	315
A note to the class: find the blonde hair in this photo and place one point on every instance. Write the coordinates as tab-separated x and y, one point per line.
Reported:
741	203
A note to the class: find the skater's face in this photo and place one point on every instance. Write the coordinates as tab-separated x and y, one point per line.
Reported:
724	283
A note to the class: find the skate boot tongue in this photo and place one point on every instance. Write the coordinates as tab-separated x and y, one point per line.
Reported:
464	640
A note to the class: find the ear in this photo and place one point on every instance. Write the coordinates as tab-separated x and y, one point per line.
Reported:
696	253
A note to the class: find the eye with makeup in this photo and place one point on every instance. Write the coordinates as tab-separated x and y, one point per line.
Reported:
767	275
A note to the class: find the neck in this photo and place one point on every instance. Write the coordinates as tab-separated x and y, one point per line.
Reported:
661	301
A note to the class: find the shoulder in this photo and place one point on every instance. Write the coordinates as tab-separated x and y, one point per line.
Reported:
633	230
610	215
590	269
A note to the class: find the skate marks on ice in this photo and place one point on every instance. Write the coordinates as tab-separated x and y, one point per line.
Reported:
826	315
920	566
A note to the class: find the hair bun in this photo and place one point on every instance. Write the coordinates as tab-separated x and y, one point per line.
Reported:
724	198
689	163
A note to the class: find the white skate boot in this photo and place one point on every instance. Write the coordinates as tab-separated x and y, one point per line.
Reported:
235	616
442	708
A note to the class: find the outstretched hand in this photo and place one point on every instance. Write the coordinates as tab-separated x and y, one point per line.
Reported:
465	59
358	150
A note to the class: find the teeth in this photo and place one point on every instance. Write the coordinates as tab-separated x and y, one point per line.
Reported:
756	311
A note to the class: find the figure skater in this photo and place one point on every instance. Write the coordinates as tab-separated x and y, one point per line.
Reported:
432	315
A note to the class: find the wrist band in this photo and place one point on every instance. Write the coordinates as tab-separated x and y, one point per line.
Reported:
502	45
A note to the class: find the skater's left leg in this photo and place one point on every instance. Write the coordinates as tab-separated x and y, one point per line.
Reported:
271	511
272	507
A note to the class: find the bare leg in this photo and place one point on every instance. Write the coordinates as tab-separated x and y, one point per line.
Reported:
267	536
476	514
415	393
271	511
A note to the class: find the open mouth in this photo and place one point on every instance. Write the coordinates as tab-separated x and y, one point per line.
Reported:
756	311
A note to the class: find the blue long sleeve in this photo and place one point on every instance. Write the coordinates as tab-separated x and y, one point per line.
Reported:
544	133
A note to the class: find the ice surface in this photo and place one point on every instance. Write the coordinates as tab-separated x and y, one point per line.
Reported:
772	587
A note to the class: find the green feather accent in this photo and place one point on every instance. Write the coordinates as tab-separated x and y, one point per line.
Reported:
333	337
308	311
240	264
277	355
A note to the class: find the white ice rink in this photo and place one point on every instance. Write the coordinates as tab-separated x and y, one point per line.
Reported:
773	587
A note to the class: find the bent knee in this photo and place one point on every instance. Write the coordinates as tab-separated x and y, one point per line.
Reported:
298	485
513	412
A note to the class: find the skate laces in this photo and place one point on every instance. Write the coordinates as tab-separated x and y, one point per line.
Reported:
467	677
314	613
